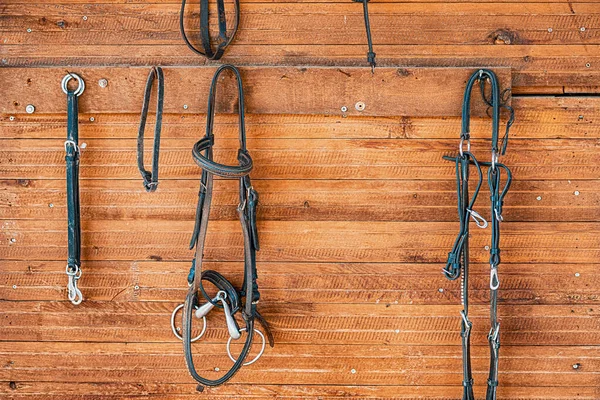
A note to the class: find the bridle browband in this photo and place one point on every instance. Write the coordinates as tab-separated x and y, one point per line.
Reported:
227	295
224	40
458	259
370	53
72	156
151	178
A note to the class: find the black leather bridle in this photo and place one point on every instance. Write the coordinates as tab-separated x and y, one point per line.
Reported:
370	53
73	151
458	259
228	296
151	178
224	40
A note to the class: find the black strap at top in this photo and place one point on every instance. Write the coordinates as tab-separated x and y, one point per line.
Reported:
202	154
370	53
151	178
72	158
458	259
224	40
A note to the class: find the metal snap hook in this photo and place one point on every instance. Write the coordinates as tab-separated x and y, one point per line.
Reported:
260	353
465	319
174	329
494	281
499	216
479	220
80	82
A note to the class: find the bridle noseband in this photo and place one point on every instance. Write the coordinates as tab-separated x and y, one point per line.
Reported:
228	298
458	259
151	178
224	40
72	156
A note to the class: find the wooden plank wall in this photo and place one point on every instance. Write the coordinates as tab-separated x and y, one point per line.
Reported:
357	212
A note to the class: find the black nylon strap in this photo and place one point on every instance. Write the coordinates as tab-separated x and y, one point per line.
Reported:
151	178
203	155
224	40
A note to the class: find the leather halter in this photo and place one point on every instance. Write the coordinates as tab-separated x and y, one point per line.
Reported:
458	259
224	40
73	212
151	178
202	153
370	53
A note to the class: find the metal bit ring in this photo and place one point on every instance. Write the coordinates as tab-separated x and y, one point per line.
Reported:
260	353
174	329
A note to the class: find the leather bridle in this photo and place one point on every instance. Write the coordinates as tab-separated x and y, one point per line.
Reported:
458	259
370	53
151	178
224	40
72	156
228	296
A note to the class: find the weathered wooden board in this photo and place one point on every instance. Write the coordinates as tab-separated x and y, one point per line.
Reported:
392	91
548	44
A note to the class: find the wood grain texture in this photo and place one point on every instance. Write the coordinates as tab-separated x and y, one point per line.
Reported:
357	210
393	91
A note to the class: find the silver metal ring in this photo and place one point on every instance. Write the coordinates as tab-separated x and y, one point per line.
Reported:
260	353
174	329
80	82
76	273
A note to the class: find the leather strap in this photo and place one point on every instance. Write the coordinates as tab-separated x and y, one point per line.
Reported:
72	157
203	155
151	178
370	54
458	259
224	40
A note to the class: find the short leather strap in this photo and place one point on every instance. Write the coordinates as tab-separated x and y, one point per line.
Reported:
224	40
151	178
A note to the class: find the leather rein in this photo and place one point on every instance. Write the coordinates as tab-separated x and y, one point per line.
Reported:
228	297
73	152
458	259
224	40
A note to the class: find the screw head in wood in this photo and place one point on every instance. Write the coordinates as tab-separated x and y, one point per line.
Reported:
344	108
185	106
360	106
103	83
30	109
11	118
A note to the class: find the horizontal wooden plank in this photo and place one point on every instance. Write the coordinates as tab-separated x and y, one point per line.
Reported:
330	159
341	283
105	390
299	200
269	90
380	324
300	241
422	364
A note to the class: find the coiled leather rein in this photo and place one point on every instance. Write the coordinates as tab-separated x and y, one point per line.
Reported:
458	259
228	297
72	156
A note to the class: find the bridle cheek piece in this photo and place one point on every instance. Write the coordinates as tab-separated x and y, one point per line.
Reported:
457	264
228	298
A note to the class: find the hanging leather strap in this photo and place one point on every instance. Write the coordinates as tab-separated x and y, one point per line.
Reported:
151	178
72	157
458	259
370	53
224	40
202	154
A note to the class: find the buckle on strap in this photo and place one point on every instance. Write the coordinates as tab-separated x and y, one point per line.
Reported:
72	143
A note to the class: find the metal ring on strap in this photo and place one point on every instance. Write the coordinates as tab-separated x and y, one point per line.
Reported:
174	329
80	82
260	353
